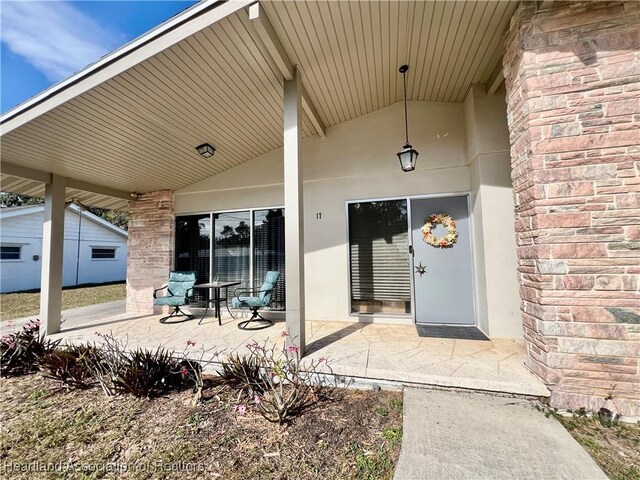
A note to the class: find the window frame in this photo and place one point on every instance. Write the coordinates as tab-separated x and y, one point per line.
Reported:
20	252
409	198
104	247
399	316
211	214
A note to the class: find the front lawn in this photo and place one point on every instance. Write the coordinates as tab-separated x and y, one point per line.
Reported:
356	436
25	304
615	449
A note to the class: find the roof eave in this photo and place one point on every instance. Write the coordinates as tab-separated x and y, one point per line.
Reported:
164	35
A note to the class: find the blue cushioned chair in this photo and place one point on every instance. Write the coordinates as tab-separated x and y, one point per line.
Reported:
256	299
179	293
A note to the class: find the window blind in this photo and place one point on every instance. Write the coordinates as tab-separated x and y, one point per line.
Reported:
379	256
231	250
193	248
268	250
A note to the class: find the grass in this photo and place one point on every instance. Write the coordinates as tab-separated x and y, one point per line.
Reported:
616	449
25	304
169	438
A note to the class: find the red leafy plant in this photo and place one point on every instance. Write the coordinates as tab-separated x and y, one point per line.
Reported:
21	351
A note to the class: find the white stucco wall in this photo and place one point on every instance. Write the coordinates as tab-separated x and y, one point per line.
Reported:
356	161
493	213
26	231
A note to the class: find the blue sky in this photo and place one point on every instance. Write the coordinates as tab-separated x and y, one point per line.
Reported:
43	42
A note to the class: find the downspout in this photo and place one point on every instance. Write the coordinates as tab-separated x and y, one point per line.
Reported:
78	250
81	207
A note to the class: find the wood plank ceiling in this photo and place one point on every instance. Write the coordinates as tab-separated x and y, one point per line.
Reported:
137	131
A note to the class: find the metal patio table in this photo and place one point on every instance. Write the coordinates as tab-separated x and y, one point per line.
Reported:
217	298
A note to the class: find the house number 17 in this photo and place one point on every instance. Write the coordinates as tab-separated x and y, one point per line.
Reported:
318	216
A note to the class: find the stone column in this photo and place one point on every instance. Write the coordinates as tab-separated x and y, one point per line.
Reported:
150	249
573	93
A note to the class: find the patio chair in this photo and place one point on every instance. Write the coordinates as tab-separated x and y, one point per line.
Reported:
179	293
255	300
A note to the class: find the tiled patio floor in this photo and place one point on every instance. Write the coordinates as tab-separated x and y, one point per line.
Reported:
392	353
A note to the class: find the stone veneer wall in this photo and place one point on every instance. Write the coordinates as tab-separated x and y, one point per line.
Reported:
150	248
573	94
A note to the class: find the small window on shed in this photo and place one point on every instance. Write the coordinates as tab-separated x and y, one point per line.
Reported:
103	253
10	252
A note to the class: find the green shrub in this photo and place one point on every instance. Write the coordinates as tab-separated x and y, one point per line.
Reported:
20	351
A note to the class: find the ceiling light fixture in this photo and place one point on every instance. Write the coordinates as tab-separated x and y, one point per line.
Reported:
206	150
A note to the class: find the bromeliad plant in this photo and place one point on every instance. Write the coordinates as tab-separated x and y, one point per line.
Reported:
276	381
138	372
69	366
21	351
244	372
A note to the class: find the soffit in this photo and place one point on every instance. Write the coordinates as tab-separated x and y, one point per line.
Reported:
137	131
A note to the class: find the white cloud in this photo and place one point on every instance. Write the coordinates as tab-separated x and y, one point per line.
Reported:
54	37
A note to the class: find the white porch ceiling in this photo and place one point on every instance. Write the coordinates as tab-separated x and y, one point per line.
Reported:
138	130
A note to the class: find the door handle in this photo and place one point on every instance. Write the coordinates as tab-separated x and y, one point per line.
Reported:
411	249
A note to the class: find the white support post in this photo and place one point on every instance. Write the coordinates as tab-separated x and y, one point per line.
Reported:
52	248
293	205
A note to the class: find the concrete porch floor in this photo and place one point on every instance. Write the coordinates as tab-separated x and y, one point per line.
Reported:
384	353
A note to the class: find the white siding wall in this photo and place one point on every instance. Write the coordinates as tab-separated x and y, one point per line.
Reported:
26	230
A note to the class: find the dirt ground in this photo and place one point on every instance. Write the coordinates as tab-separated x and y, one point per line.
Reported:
356	436
615	449
24	304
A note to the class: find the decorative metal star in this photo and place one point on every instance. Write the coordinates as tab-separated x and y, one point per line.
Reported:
421	269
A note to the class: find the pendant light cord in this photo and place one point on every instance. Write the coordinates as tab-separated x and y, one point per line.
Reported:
406	119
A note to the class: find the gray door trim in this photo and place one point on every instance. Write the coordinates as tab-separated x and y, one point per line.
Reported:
408	198
473	250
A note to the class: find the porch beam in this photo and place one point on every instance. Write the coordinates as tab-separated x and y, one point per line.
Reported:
496	78
25	172
52	251
545	4
310	110
272	43
99	189
294	206
45	177
278	54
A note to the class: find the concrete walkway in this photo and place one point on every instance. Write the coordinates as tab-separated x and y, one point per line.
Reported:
454	435
73	317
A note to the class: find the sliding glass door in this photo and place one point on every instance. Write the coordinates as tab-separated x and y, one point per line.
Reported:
245	246
268	248
193	241
231	247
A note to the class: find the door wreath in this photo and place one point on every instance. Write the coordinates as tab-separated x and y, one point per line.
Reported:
449	240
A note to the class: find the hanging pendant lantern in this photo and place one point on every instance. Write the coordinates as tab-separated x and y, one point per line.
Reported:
408	155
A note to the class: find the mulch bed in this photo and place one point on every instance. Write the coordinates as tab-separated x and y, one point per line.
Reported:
357	435
616	449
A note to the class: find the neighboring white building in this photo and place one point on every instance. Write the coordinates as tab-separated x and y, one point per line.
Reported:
102	256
